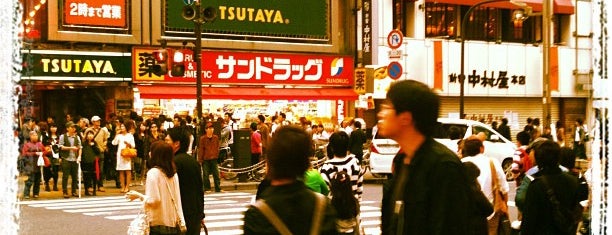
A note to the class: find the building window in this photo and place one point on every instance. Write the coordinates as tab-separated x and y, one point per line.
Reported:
441	20
399	14
486	24
518	31
482	24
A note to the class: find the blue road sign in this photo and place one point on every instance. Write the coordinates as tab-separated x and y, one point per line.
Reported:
395	70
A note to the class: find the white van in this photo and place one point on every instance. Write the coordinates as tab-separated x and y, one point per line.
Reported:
448	133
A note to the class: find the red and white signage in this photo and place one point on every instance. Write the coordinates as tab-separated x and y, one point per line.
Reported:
242	68
100	13
395	39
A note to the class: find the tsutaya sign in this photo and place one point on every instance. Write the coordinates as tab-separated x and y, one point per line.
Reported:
272	18
76	65
255	69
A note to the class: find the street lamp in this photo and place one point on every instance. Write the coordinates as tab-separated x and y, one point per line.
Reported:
516	15
198	16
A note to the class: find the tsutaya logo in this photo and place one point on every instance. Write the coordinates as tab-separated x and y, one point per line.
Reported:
77	66
337	66
252	14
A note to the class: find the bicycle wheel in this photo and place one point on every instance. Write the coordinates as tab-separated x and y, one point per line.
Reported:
228	163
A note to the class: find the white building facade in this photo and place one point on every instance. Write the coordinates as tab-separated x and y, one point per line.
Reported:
503	57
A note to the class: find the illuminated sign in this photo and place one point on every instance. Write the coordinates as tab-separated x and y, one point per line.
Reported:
101	13
270	18
254	68
48	64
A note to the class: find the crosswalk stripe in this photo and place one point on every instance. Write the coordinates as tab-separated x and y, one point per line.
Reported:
103	209
226	232
224	211
39	203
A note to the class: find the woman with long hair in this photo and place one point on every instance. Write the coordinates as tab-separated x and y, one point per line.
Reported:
124	139
162	198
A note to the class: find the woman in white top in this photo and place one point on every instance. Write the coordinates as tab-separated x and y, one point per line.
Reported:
124	139
162	198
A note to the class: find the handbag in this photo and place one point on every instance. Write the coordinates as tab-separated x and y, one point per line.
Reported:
140	225
500	205
128	152
179	222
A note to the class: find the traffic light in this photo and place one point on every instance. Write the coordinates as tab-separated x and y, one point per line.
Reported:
209	14
161	62
178	64
189	12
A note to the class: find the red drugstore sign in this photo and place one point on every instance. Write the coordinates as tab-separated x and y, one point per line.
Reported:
270	69
104	13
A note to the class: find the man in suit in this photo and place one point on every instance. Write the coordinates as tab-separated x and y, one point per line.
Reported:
190	179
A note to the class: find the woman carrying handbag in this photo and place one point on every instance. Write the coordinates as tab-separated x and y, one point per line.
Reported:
162	199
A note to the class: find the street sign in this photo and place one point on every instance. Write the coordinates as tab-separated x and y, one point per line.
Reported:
189	2
395	39
395	54
395	70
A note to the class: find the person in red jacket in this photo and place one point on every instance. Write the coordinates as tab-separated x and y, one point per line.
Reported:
208	152
31	151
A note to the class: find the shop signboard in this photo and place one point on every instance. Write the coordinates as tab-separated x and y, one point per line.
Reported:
76	65
95	13
270	18
246	68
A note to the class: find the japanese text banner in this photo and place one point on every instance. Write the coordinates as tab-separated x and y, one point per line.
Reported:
103	13
261	69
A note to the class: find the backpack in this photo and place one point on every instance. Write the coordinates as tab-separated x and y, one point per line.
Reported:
343	199
566	220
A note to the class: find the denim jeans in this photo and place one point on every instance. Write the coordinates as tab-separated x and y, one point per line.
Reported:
210	167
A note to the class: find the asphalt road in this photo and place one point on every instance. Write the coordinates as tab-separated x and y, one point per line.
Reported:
111	214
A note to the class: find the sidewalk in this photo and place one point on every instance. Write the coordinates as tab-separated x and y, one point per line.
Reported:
111	190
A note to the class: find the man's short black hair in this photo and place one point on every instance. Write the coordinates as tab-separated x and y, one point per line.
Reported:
357	125
261	118
471	147
547	154
523	138
182	135
289	153
339	143
418	99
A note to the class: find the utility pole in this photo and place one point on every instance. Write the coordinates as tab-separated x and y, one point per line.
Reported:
546	40
199	16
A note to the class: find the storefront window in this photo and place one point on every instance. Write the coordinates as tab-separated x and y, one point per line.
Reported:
441	20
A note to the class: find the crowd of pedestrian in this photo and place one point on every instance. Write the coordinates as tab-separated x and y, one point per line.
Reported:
432	190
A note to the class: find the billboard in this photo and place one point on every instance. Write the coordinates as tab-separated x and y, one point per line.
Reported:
95	13
247	68
271	18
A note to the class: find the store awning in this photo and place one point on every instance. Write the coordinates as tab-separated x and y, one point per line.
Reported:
245	93
559	6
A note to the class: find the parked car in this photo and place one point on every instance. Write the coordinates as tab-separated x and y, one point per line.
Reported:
448	132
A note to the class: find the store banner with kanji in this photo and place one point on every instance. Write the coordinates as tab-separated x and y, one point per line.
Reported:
246	68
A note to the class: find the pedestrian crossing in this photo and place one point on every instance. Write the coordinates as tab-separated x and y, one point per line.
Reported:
224	211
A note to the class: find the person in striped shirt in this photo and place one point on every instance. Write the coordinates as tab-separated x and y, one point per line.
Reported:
342	161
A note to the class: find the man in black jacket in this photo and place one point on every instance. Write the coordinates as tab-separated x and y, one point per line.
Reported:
190	179
356	141
504	129
428	193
